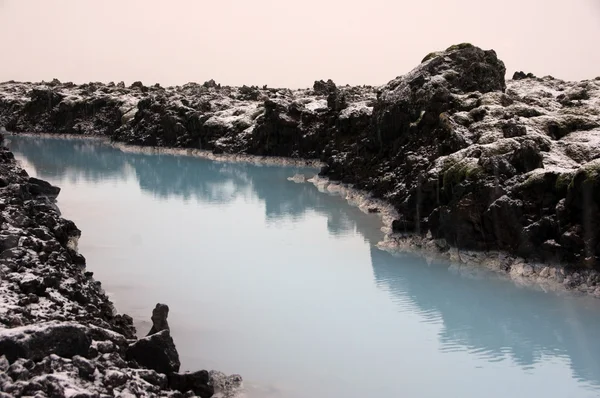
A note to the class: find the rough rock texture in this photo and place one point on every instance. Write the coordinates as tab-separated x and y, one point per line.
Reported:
464	156
59	333
156	351
159	319
65	339
39	187
207	116
198	382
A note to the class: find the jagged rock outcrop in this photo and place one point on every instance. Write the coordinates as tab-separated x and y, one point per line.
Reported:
522	75
40	187
463	155
59	333
159	317
156	352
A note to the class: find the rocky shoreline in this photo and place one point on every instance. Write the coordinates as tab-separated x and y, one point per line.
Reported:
470	162
60	335
547	276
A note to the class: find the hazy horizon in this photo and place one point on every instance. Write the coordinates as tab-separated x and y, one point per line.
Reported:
268	42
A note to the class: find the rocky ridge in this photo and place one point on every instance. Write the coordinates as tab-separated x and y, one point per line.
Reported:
467	159
60	335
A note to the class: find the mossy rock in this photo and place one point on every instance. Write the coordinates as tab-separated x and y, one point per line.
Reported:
431	56
445	121
533	179
592	170
454	47
563	181
465	169
460	46
588	174
559	181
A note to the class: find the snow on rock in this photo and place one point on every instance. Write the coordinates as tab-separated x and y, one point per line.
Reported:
227	119
356	109
452	146
314	104
60	335
192	116
37	341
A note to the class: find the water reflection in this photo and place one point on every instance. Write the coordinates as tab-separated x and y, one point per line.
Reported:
495	319
491	319
165	175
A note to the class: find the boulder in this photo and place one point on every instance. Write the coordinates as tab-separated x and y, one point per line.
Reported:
39	187
152	377
321	87
85	367
196	382
336	100
419	97
32	285
65	339
250	93
156	352
211	84
225	386
522	75
139	85
159	319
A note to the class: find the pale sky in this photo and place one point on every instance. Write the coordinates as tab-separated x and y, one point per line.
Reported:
286	43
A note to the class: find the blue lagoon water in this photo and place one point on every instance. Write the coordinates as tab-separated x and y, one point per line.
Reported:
284	285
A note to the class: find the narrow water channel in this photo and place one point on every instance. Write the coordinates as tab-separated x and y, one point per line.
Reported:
284	285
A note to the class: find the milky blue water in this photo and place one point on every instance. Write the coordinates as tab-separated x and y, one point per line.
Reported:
284	285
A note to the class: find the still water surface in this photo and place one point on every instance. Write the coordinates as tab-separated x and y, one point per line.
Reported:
284	285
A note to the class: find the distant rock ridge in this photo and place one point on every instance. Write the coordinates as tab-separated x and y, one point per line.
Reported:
467	159
60	335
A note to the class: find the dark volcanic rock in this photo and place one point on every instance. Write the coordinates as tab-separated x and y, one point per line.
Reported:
522	75
34	285
86	368
196	382
442	144
41	187
38	341
211	84
58	330
412	123
155	352
414	102
159	319
321	87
